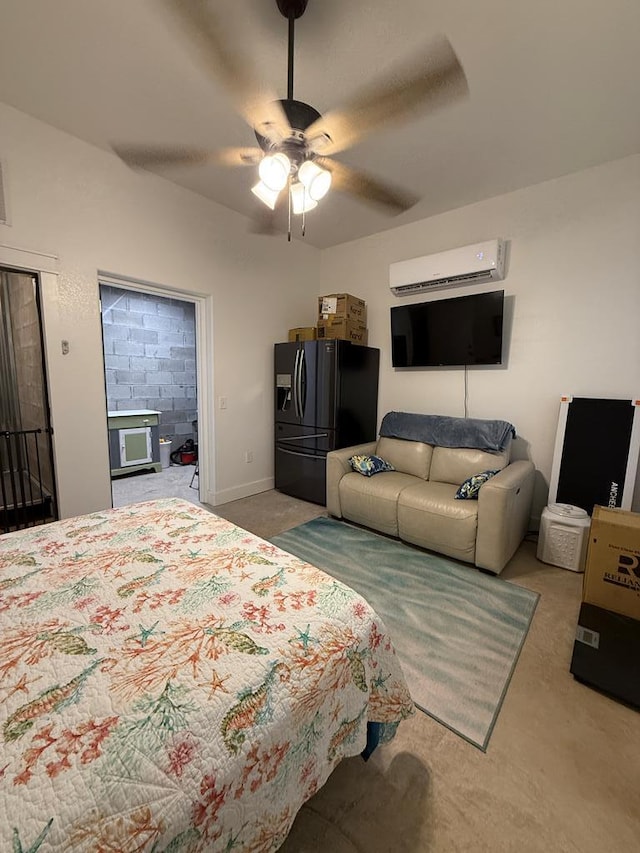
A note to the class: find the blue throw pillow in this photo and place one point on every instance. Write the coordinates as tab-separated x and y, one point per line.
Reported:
470	488
369	465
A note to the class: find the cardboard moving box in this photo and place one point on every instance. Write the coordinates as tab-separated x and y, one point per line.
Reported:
302	333
612	572
342	305
343	329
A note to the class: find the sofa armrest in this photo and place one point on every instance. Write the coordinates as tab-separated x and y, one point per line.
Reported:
504	506
337	467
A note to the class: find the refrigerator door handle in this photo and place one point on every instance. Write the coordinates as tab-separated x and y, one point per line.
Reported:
302	367
298	453
295	383
303	437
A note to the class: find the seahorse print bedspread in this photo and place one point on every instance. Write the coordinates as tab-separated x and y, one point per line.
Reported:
170	682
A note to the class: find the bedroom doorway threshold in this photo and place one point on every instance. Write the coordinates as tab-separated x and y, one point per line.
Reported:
175	482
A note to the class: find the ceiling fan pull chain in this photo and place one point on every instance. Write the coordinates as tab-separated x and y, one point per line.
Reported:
289	210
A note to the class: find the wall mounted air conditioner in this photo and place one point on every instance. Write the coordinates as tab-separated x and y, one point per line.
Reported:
473	264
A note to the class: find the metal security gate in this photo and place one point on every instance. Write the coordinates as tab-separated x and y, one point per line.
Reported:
27	480
24	498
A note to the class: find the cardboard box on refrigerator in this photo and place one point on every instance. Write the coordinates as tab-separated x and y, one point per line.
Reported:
612	572
341	328
302	333
345	305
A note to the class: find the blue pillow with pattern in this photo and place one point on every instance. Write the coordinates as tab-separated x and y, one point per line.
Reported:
369	465
471	486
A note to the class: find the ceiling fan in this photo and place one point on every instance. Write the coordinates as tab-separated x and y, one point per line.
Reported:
296	143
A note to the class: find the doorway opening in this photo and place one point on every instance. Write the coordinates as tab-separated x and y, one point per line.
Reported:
27	474
151	382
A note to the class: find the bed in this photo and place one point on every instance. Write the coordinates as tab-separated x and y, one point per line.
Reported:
171	683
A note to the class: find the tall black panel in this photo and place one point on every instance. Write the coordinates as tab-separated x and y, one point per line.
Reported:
596	451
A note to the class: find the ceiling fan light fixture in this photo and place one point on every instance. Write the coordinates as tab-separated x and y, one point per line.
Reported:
301	202
266	194
315	179
274	171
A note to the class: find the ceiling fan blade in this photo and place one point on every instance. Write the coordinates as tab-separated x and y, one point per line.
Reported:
223	58
165	156
237	156
361	185
431	79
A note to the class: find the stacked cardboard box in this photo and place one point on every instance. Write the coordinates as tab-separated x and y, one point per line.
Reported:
342	316
302	333
606	653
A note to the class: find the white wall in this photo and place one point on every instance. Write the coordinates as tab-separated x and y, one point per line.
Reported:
75	201
573	287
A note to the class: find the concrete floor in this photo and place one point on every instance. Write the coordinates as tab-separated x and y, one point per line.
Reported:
173	482
561	773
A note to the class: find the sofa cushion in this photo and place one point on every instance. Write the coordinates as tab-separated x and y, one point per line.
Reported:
368	465
457	464
373	501
431	517
408	457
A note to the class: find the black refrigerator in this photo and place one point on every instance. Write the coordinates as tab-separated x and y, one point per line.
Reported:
326	397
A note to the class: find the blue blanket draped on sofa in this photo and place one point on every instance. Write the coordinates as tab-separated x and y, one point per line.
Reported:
445	431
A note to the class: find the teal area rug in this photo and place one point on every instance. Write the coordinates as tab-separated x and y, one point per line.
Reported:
457	631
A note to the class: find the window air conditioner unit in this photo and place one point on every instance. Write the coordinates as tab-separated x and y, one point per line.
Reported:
473	264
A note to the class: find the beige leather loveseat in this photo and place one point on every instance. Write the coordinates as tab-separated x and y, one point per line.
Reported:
416	502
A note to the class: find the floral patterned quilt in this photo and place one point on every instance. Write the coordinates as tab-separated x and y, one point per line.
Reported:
170	683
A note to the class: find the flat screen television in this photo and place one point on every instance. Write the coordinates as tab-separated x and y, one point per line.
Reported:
448	332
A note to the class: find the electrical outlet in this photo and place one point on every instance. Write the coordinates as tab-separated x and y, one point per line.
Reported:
248	456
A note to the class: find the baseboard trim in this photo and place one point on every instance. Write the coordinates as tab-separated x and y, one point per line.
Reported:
237	492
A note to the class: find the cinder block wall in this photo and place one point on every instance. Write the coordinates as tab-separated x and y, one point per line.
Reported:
150	358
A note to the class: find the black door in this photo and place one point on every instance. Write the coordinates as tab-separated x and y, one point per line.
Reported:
326	384
301	473
316	440
296	382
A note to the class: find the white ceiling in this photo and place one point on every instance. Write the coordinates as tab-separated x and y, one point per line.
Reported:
554	88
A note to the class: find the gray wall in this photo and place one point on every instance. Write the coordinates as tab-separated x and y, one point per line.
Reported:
150	357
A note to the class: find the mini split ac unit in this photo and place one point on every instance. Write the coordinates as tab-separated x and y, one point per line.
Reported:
474	264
